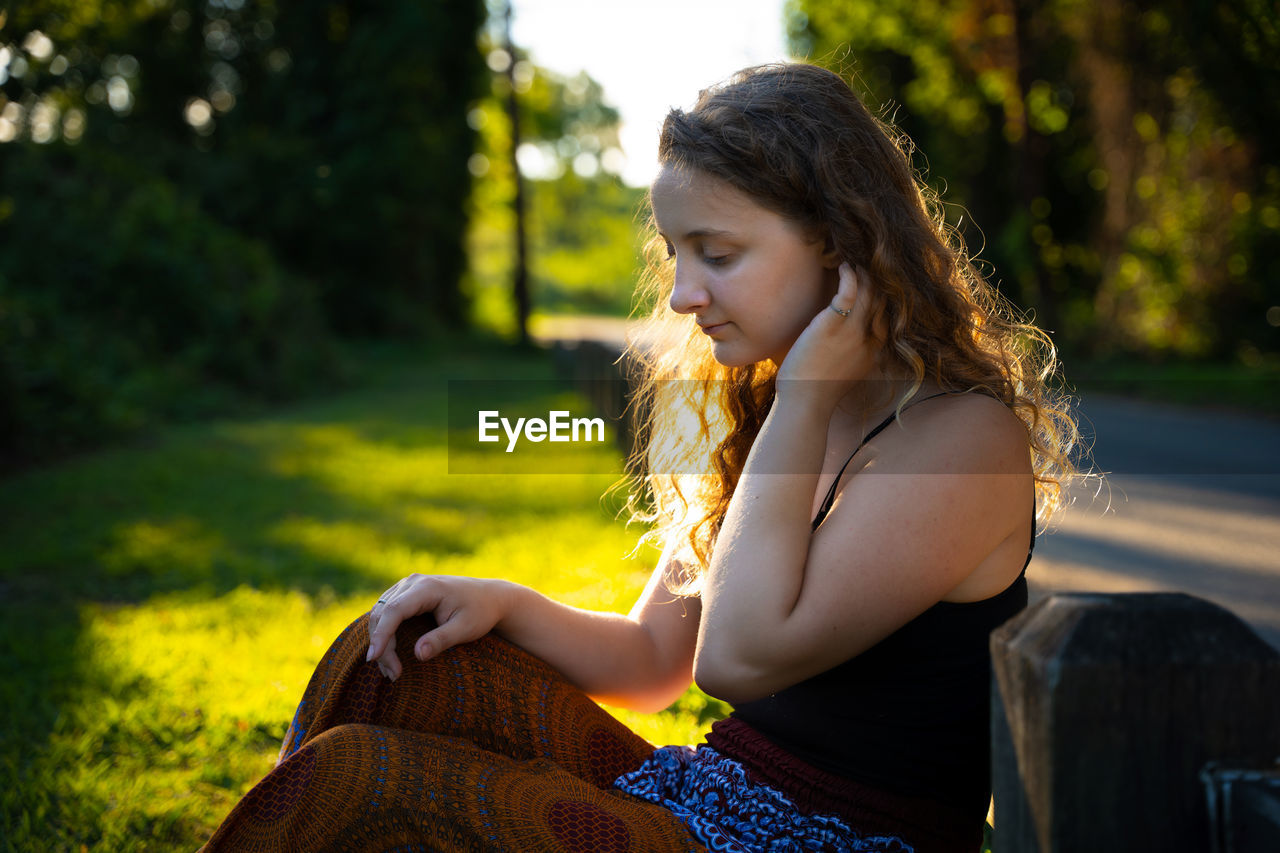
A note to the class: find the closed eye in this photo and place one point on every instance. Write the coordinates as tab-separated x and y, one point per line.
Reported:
715	260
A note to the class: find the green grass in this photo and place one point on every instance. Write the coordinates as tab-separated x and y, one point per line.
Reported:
162	605
1228	387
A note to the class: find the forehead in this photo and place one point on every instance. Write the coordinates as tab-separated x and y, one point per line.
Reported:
688	197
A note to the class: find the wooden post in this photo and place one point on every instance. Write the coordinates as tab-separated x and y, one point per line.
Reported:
1106	709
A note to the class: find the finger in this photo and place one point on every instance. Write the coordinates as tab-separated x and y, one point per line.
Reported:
387	658
439	639
376	614
846	296
421	597
864	307
857	281
387	614
848	279
374	618
383	622
847	290
389	665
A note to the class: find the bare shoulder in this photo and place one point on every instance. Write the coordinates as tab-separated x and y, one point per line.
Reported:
937	509
957	434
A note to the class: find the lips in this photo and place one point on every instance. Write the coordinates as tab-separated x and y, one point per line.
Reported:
711	328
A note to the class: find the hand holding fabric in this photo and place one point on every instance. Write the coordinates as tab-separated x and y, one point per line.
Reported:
465	609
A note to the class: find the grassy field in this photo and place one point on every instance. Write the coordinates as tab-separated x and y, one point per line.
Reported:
1219	387
162	604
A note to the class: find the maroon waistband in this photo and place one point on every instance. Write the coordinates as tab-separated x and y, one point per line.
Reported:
927	825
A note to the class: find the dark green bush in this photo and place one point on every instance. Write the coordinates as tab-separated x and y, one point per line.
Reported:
165	265
121	302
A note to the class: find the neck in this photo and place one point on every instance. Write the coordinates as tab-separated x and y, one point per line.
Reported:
880	393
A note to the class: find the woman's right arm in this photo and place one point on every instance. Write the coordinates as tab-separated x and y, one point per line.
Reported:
643	660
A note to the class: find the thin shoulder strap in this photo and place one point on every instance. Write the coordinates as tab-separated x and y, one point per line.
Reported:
1031	546
831	493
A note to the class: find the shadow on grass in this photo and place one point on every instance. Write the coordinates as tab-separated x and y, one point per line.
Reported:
330	499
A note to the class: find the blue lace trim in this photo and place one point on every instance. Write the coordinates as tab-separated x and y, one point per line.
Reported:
711	794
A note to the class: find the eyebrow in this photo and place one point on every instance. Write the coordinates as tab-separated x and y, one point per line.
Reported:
704	232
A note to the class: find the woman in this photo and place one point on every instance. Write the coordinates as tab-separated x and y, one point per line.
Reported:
847	514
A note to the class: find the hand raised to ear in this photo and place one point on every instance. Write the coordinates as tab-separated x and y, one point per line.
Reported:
835	350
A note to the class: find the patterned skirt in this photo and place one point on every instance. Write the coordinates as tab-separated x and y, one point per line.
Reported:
487	748
713	796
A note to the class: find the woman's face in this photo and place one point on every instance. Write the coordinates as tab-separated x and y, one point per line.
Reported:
751	278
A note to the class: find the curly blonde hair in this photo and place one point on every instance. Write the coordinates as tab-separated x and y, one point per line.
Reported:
797	140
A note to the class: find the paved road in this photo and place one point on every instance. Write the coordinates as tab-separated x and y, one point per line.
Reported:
1190	503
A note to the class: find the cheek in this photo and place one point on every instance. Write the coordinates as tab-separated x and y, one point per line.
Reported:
790	320
785	296
815	287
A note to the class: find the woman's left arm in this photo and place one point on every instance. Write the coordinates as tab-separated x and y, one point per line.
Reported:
934	500
781	603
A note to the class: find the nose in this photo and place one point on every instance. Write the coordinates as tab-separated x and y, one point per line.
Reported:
688	295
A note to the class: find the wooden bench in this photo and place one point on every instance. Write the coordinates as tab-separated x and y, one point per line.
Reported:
1134	722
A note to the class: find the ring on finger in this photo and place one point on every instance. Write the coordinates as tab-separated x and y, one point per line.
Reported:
843	312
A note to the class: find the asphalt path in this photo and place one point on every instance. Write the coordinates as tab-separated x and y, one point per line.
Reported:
1189	502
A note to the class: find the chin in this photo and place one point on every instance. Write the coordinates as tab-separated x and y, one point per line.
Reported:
730	356
740	353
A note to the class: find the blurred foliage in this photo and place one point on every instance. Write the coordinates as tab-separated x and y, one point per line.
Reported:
334	130
163	312
583	234
1124	181
194	192
586	235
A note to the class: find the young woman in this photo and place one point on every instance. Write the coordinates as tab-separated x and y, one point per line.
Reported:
850	441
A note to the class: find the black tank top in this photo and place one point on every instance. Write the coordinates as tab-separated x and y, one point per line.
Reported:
911	714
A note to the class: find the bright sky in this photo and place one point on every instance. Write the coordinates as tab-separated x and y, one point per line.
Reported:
650	55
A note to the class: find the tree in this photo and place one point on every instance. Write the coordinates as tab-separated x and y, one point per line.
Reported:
194	193
1126	188
335	130
582	223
